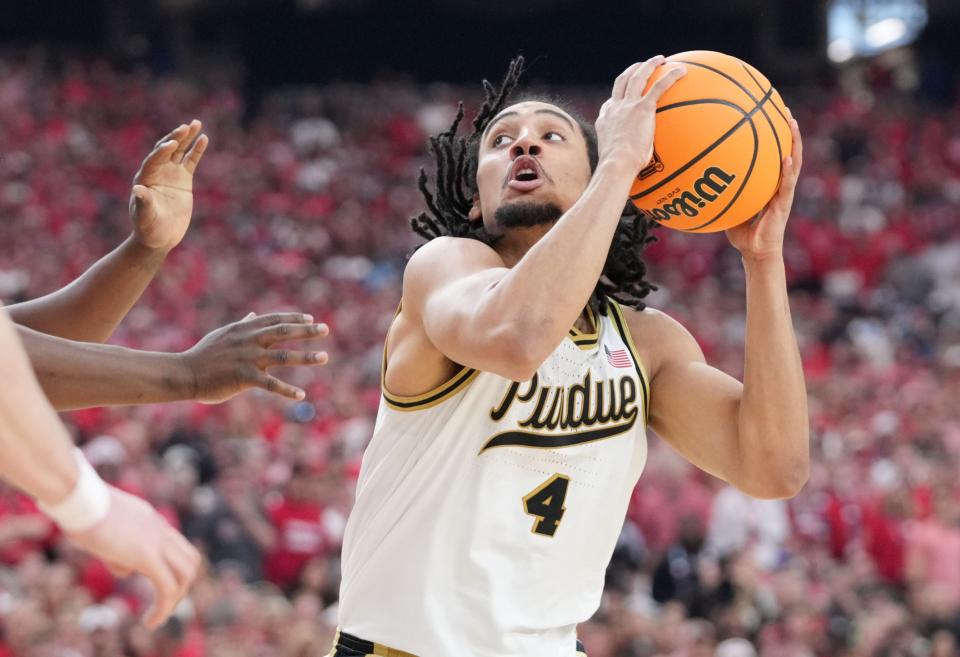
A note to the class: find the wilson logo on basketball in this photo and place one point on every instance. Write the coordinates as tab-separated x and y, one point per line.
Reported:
655	166
706	189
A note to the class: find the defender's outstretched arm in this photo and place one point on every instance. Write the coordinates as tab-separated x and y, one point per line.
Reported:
161	203
227	361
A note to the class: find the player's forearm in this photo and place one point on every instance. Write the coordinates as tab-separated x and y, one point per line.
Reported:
91	307
773	422
545	292
35	449
80	375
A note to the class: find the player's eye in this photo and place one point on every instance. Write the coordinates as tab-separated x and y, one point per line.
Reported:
500	139
553	136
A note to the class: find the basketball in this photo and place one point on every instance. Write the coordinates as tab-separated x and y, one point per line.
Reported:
722	133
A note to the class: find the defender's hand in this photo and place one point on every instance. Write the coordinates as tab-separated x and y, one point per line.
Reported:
134	538
236	357
626	123
162	198
762	236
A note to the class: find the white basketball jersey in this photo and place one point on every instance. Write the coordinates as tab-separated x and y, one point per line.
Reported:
487	510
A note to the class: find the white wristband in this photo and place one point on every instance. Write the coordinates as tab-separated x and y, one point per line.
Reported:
86	505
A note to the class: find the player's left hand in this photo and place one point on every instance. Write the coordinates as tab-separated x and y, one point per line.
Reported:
762	236
161	201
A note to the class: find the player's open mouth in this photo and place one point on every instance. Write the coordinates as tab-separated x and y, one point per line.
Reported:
525	174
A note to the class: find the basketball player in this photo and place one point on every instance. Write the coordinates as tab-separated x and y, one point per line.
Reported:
56	328
36	455
520	375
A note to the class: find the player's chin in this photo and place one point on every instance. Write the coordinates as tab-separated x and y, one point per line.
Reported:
526	212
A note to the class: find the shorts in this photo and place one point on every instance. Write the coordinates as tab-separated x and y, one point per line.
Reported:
347	645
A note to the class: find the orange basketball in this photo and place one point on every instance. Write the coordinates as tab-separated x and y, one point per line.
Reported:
722	134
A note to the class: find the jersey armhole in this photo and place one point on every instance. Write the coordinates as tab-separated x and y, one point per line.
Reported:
459	381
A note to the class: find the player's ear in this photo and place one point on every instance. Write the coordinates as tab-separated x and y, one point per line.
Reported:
475	213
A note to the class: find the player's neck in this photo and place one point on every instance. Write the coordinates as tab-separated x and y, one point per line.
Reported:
515	243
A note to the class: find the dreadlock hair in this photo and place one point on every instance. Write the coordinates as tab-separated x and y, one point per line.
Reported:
623	278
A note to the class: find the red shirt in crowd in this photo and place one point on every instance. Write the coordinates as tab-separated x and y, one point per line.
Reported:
300	537
37	530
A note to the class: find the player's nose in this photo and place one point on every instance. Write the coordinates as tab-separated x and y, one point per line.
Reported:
524	145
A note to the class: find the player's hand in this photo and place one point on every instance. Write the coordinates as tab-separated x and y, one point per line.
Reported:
762	236
626	123
236	357
134	538
161	201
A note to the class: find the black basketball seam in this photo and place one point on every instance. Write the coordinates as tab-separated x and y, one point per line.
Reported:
736	82
743	183
772	129
759	86
747	116
723	137
753	98
703	101
764	112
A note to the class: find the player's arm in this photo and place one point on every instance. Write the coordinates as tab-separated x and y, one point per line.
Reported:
37	456
161	202
483	315
227	361
754	435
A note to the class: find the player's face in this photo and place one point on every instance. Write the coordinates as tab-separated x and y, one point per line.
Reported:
533	154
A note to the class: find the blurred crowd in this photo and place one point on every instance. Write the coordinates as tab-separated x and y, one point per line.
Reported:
302	203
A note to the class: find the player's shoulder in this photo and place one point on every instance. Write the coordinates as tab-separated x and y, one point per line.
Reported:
659	337
651	323
447	256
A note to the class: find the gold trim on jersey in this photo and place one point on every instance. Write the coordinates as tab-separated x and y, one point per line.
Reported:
377	649
620	322
380	650
460	380
586	341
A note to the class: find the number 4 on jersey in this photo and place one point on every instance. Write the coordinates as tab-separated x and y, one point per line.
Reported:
545	502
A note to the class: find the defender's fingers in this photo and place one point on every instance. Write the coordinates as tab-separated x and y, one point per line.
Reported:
184	568
278	387
166	590
667	80
279	318
174	134
288	358
637	82
193	156
159	156
286	332
183	143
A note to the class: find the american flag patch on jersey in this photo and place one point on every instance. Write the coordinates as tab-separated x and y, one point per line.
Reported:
618	357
